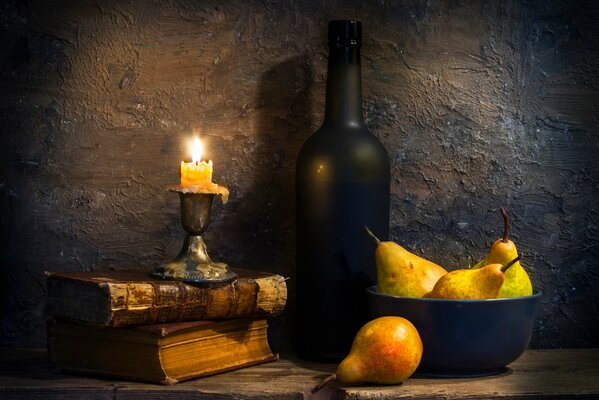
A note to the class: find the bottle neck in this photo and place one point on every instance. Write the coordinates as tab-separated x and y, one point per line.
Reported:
344	87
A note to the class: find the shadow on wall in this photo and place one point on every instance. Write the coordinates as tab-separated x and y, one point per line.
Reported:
31	62
284	121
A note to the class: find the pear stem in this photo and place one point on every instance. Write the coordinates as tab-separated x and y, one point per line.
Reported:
372	235
506	225
506	266
324	382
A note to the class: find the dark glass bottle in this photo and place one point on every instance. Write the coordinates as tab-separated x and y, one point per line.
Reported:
342	184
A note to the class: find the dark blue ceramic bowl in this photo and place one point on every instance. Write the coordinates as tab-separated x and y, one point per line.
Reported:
463	337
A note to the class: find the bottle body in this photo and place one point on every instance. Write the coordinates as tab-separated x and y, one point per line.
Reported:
342	184
337	193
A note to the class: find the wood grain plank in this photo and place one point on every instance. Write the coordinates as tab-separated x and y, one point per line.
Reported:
538	374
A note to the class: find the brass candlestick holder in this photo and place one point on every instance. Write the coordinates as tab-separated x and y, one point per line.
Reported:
193	264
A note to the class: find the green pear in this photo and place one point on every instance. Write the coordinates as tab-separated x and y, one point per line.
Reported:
472	284
401	273
517	282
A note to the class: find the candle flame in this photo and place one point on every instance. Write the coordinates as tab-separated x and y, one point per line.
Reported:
196	151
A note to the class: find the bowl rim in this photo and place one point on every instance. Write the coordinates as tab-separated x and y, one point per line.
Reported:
374	290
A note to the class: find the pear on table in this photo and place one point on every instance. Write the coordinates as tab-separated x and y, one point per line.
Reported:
386	350
401	273
517	282
472	284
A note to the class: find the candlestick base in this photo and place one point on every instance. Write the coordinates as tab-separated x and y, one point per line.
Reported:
194	265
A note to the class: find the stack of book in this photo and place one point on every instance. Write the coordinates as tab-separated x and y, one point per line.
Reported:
128	325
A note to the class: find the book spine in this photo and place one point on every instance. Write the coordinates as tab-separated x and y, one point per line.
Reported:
142	303
141	355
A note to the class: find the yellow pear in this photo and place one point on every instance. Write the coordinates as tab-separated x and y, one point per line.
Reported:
517	282
386	350
401	273
472	284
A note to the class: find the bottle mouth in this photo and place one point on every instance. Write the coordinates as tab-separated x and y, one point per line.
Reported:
345	32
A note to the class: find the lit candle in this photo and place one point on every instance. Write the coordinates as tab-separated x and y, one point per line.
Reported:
196	172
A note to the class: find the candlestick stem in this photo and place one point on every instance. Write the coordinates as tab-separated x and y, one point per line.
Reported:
193	264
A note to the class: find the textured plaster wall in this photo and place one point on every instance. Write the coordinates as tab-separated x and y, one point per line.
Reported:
479	104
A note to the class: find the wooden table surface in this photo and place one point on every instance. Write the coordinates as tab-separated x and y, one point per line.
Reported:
538	374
